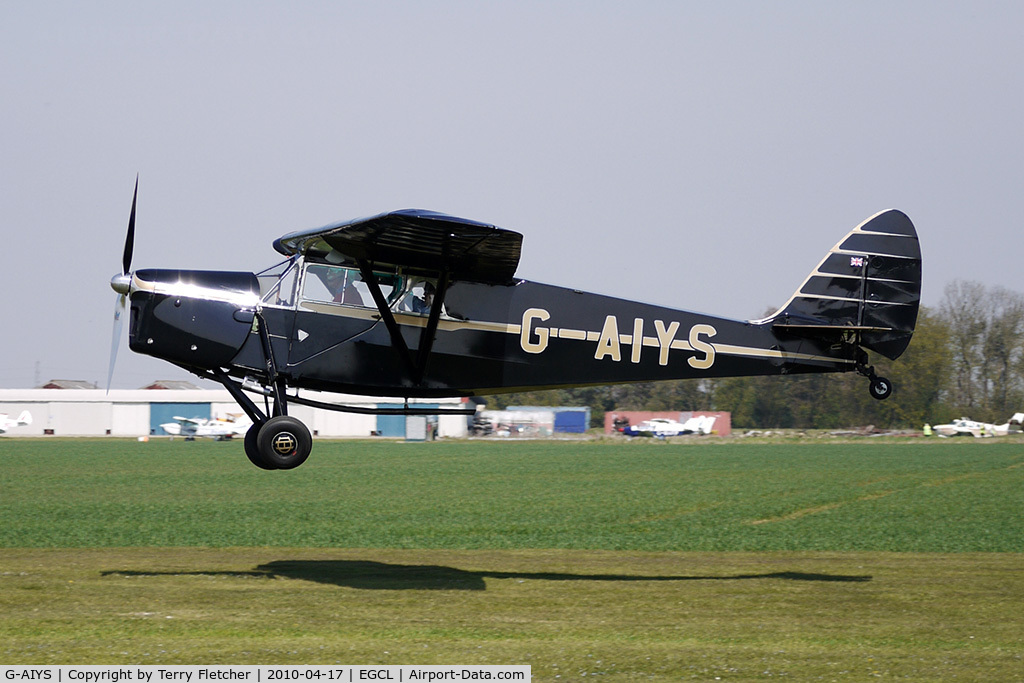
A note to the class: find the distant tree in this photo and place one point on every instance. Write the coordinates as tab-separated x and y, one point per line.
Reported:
1002	353
986	343
756	401
963	308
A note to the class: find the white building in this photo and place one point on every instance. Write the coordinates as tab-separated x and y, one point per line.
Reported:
140	412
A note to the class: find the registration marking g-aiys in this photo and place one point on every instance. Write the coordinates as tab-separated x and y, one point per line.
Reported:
534	338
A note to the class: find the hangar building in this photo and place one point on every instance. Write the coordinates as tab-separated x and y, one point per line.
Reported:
140	412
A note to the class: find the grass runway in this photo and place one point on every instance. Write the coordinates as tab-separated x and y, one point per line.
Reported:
659	561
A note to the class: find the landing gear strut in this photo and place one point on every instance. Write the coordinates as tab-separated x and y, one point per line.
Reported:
280	442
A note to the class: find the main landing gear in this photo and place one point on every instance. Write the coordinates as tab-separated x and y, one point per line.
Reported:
277	442
280	443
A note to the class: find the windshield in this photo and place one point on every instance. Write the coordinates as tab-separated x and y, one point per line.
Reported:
277	283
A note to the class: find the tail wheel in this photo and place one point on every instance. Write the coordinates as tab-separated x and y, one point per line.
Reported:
252	449
283	442
880	388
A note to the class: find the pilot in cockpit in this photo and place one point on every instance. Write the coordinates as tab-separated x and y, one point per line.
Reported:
422	304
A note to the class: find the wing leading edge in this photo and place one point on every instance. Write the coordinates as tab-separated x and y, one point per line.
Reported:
415	239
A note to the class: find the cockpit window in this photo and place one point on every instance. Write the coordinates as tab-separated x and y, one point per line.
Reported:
340	285
277	284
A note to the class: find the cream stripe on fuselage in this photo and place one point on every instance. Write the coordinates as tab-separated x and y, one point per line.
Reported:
452	325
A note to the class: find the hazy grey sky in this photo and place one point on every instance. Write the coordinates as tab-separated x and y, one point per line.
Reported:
702	155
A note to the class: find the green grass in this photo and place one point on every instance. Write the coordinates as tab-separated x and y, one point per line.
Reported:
620	616
950	496
719	561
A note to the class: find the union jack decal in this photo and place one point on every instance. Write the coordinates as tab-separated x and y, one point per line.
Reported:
857	261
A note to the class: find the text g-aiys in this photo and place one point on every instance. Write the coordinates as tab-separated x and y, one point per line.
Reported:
535	337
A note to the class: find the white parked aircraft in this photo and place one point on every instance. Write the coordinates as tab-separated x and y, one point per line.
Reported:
661	427
967	427
6	423
217	429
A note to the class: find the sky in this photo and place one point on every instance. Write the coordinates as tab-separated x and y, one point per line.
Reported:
699	155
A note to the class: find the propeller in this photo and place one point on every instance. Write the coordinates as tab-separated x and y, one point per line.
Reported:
115	341
129	240
122	285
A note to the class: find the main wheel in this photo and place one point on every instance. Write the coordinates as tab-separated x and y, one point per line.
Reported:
880	388
252	449
284	442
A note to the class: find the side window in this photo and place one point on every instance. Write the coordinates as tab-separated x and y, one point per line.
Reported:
333	284
340	285
418	297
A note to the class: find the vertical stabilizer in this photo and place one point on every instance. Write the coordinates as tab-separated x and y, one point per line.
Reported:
870	283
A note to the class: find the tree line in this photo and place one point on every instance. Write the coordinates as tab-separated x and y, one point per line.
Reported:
966	359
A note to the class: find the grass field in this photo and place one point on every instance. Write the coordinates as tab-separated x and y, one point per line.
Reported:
949	496
720	561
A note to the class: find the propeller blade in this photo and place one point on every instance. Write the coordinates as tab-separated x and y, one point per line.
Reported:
115	341
129	240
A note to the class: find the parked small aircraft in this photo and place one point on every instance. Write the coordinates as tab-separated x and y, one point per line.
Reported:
414	303
968	427
196	427
7	423
661	427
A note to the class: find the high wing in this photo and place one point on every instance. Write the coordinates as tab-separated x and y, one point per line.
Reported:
416	240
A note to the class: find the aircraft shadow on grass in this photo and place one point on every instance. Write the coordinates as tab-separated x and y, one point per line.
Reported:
369	575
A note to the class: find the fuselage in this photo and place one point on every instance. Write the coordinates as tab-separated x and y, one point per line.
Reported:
488	338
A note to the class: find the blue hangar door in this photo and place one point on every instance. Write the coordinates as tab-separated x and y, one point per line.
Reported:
394	425
159	413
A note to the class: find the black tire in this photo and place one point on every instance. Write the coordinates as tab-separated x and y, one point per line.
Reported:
880	388
252	449
284	442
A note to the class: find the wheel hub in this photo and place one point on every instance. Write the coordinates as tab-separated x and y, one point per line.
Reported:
285	443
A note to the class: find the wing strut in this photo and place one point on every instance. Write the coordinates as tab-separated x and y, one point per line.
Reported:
385	313
417	367
430	331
